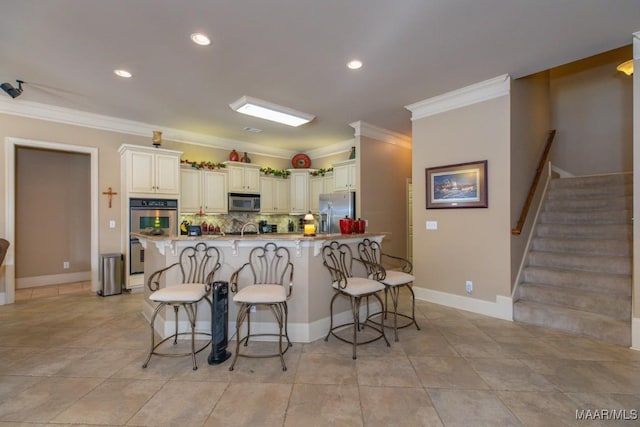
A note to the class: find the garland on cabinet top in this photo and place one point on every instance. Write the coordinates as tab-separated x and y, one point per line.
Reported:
203	165
275	172
321	171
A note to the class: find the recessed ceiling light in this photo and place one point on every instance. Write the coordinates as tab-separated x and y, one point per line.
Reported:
201	39
354	64
123	73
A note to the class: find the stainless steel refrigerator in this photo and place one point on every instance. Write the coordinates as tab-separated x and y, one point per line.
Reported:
334	206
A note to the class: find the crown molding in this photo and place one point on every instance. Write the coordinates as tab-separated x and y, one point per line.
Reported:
468	95
35	110
330	150
381	134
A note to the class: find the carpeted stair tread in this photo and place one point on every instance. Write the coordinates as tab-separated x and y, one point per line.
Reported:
589	192
606	247
617	284
597	231
586	217
581	262
574	321
592	204
593	180
615	306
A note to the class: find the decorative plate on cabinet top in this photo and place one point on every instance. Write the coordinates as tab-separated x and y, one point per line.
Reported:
301	161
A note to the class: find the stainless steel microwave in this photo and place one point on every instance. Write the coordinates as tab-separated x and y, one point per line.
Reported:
241	202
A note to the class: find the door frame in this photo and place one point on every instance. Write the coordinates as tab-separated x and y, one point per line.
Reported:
10	203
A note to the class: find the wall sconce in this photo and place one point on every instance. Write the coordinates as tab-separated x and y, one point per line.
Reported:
157	138
626	67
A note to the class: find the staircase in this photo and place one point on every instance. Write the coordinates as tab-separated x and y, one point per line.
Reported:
577	277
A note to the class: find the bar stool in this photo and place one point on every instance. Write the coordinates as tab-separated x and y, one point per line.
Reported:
197	266
271	272
338	259
393	280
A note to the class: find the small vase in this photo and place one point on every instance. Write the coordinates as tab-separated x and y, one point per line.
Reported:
245	158
157	138
352	155
234	156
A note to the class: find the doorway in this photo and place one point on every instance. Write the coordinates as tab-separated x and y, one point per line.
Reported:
11	146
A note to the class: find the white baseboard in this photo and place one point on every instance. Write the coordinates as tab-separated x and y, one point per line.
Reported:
635	333
52	279
501	309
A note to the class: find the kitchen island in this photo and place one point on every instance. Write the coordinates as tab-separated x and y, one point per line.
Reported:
312	291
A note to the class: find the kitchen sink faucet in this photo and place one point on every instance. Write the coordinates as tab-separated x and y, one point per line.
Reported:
245	226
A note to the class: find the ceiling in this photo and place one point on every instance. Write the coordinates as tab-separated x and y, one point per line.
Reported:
289	52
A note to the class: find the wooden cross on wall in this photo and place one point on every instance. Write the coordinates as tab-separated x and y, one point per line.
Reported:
109	193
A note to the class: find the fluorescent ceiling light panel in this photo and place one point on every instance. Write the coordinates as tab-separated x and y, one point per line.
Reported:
269	111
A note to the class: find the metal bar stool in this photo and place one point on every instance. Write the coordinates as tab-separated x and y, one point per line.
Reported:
393	280
197	267
271	272
338	259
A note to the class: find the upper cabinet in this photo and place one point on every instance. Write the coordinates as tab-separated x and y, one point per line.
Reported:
299	200
150	170
319	185
203	191
274	195
243	177
345	177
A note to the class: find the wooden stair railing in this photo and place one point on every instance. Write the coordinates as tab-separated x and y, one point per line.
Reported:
527	204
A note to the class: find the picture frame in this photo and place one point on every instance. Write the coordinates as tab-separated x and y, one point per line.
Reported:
462	185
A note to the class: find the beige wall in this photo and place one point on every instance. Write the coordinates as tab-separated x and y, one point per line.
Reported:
384	171
592	106
470	244
53	221
530	125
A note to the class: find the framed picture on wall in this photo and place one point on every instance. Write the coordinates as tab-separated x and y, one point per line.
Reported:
463	185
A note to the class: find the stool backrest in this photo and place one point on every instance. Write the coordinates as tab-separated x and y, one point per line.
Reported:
271	264
4	247
199	263
371	256
338	259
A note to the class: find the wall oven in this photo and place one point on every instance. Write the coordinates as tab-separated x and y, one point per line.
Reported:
153	217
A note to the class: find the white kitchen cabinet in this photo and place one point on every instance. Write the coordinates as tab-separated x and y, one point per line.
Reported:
319	185
150	170
345	176
299	191
274	195
203	190
243	177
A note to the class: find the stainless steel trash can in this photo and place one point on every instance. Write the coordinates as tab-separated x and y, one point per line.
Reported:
111	274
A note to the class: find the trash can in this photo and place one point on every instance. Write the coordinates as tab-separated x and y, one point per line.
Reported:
111	274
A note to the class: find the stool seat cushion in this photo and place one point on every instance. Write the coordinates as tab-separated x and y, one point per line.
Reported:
261	294
357	286
184	292
397	278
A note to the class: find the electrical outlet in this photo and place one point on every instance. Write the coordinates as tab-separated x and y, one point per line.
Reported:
469	286
65	264
432	225
253	309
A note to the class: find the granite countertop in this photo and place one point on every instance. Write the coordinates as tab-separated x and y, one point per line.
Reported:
262	236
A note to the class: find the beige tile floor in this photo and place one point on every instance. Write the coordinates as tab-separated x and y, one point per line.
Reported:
76	360
52	290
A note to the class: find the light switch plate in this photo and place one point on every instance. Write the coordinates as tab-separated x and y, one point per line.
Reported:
112	223
432	225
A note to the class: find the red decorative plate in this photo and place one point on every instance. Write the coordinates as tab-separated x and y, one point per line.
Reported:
301	161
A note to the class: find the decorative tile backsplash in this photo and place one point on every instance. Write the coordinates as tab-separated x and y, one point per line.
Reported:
234	223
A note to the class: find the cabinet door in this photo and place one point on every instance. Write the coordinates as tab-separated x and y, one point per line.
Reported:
267	195
299	192
344	177
214	195
190	190
282	195
141	168
316	187
167	172
236	179
252	180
